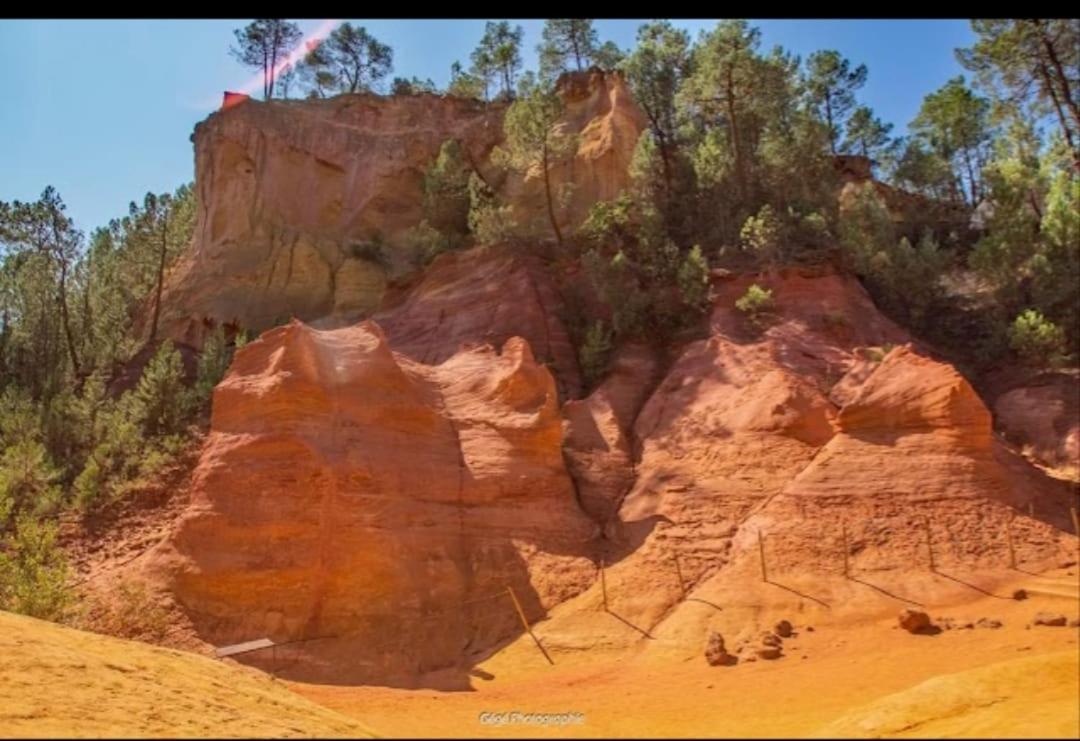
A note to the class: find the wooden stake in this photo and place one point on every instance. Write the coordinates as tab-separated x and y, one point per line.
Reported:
761	551
678	571
1009	540
847	571
603	584
1031	509
525	624
1076	521
929	545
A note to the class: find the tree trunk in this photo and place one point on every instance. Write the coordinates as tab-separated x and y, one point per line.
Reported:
273	65
1051	53
1045	74
829	123
66	319
547	192
160	278
88	324
971	177
733	119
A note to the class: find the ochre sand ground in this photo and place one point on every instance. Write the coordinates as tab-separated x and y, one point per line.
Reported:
858	678
59	682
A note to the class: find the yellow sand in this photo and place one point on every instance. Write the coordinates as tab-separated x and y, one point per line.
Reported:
55	681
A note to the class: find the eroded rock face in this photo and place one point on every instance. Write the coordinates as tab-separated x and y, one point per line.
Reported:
1044	418
483	295
599	446
741	413
287	188
825	416
348	491
294	194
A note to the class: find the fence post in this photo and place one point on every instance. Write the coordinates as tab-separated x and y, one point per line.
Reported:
847	570
603	584
525	624
761	552
1031	509
1076	521
678	572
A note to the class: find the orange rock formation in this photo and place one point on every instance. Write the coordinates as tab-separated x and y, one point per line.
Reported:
348	491
291	191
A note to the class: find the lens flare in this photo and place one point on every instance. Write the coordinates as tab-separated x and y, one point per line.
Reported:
306	45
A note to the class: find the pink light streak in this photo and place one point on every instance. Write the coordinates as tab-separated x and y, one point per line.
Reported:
309	42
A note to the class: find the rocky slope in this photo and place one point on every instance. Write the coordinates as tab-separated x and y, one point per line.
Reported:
387	498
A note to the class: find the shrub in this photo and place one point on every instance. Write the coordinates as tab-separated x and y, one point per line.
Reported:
446	197
492	224
609	222
213	363
159	402
27	480
595	352
424	243
693	280
1035	339
755	301
763	236
34	571
489	221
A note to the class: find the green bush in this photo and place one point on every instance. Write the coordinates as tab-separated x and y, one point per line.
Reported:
693	280
34	571
1035	339
489	221
446	198
160	403
28	480
755	301
763	235
609	222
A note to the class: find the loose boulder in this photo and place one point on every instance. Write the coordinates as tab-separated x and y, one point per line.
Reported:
1051	619
914	621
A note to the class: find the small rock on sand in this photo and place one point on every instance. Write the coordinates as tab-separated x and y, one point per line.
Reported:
715	651
783	629
768	652
1050	618
770	639
914	621
1020	594
987	623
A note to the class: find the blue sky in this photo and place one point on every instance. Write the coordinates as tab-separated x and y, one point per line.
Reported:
104	109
